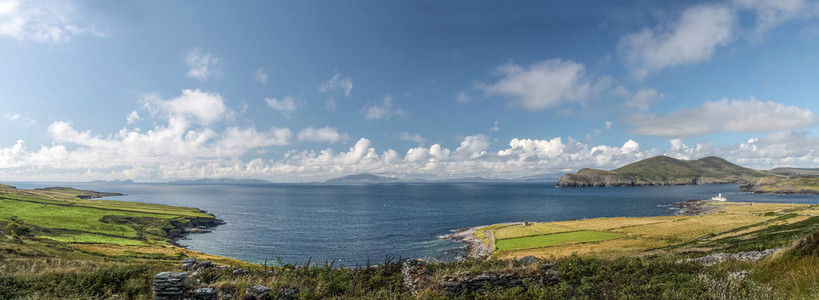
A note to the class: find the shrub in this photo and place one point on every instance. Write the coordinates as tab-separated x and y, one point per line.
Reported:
17	229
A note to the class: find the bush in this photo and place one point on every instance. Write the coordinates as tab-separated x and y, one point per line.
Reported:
17	229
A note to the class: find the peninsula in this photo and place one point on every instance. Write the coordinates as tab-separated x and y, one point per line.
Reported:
664	170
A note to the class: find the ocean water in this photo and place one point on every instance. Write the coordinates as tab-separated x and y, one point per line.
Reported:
352	224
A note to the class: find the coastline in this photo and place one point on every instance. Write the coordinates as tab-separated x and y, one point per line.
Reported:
475	248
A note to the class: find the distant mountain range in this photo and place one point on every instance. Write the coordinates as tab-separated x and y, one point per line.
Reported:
664	170
366	178
220	181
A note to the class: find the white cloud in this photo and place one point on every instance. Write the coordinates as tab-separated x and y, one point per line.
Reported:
261	75
543	85
462	96
384	111
43	21
336	83
494	127
19	119
769	14
285	106
779	149
12	117
330	104
133	117
472	147
325	134
406	136
693	38
724	116
202	65
203	107
608	125
642	100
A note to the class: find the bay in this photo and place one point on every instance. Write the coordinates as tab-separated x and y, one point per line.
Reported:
351	224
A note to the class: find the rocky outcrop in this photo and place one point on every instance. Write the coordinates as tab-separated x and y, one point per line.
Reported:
417	278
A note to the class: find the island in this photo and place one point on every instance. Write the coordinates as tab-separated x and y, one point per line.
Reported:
664	170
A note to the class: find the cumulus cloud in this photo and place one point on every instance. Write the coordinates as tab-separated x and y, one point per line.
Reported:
406	136
724	116
642	99
261	75
202	65
43	21
336	83
285	106
543	85
693	38
384	111
472	147
325	134
778	149
203	107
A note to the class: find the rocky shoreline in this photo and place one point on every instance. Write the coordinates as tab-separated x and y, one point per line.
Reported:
695	207
473	247
193	226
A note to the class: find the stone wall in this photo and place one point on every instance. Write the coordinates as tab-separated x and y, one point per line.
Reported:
417	278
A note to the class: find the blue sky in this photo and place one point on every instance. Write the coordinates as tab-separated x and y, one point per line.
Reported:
309	90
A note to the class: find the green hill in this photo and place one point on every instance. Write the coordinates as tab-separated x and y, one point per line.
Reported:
664	170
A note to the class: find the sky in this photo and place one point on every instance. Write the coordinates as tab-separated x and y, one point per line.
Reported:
300	91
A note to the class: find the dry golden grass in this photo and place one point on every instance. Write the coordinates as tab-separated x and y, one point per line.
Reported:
748	207
44	265
602	249
612	223
533	229
755	228
694	227
117	250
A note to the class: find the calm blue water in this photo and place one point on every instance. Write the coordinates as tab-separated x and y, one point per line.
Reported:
352	223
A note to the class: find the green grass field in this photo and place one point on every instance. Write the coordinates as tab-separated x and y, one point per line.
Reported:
88	238
58	214
553	239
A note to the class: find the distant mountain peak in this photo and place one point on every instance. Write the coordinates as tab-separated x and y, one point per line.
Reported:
361	178
220	181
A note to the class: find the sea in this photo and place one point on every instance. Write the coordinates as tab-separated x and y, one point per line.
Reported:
349	225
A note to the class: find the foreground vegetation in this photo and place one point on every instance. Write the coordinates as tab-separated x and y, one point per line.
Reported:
99	249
